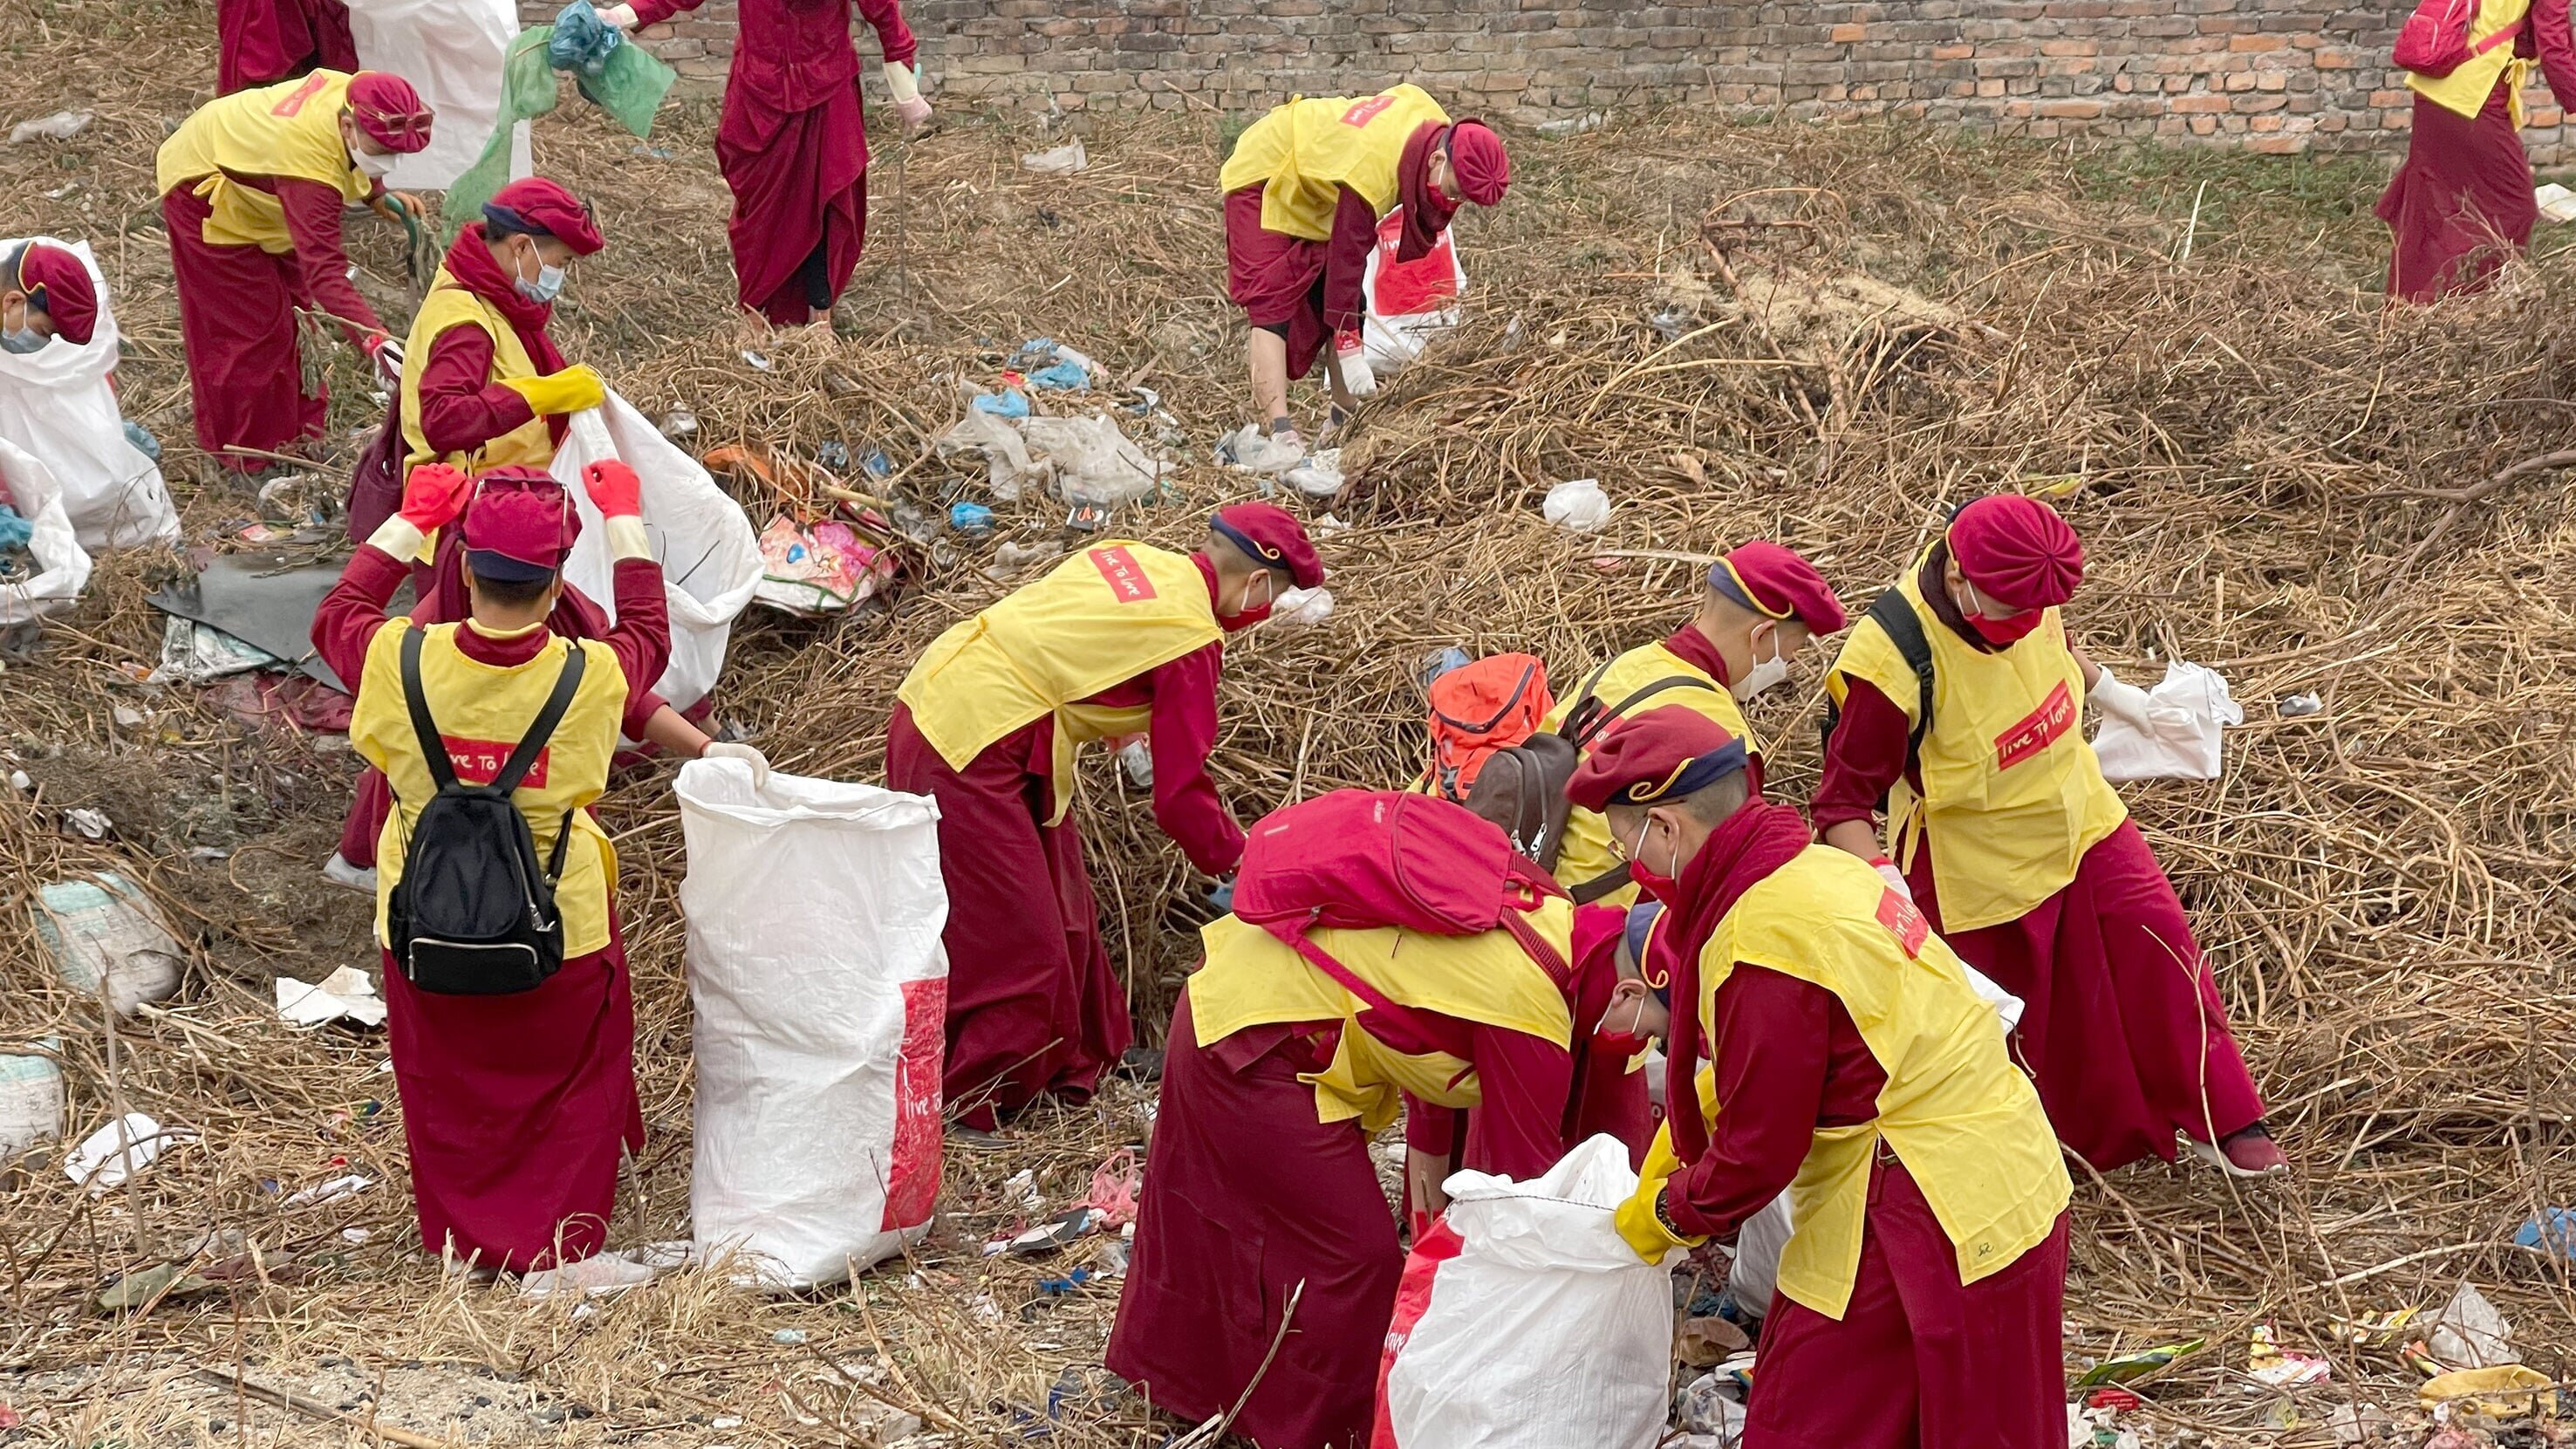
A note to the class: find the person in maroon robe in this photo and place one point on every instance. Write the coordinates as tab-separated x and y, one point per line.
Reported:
262	42
1917	1359
2462	201
793	143
2121	1023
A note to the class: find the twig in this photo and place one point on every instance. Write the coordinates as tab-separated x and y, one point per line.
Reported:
280	1399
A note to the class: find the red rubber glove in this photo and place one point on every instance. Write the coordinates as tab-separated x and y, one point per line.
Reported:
615	488
434	495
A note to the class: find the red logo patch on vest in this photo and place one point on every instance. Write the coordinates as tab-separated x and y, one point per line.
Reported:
479	762
1367	110
296	98
1127	581
2054	717
1903	921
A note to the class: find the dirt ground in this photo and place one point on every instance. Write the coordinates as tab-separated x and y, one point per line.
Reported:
2255	454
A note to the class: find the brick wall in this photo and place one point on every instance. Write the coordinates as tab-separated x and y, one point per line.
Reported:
2274	75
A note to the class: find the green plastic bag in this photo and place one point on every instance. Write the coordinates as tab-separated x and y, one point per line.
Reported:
630	89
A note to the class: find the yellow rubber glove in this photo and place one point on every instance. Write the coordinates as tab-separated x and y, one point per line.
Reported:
569	391
1644	1231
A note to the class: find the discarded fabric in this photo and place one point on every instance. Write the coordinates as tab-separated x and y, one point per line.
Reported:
2185	714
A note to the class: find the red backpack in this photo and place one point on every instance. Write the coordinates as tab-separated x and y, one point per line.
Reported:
2434	41
1480	709
1366	859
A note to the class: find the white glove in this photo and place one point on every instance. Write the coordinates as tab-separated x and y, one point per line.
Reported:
729	750
2122	701
620	16
1895	878
2006	1006
389	362
1357	376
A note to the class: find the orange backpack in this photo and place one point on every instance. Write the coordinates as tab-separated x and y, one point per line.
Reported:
1478	710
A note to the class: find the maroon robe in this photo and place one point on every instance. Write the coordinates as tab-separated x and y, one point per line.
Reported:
2462	200
262	42
515	1108
237	319
793	145
2122	1024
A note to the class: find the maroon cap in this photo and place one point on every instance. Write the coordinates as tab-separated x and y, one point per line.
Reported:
540	207
389	111
519	525
2017	551
1273	537
1476	159
1775	581
59	286
1663	754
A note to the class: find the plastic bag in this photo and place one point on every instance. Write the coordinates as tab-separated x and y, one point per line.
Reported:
105	928
1409	303
62	565
55	403
450	50
2187	711
710	556
1524	1321
1094	462
630	87
821	990
1579	505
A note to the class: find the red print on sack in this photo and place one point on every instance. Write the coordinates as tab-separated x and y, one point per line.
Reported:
912	1176
1127	581
1904	921
479	762
1366	111
2055	715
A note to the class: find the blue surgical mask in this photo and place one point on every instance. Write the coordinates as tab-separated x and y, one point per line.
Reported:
548	285
22	340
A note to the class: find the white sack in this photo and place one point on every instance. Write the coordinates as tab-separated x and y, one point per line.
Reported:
31	1100
104	927
709	554
1390	339
62	565
1543	1330
55	402
820	989
451	52
1755	1270
2187	711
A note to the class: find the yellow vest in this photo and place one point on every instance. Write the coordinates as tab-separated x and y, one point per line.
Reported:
449	305
1964	1121
2012	794
1304	152
2466	90
1253	979
1102	617
1586	853
482	710
288	129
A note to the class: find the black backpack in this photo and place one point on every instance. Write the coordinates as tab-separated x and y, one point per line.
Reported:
1905	630
474	914
1522	789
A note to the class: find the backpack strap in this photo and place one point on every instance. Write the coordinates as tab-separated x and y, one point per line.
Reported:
433	749
1589	717
1586	892
1429	1037
533	743
1896	619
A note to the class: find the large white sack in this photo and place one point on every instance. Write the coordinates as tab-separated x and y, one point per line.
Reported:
1408	303
2185	713
820	987
709	554
1526	1322
56	403
451	52
62	565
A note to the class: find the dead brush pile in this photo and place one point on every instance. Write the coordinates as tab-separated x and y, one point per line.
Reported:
1824	335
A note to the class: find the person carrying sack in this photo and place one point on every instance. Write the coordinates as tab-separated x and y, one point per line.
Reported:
509	1014
1762	606
1386	948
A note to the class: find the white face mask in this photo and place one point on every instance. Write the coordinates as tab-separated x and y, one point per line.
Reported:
1765	674
370	163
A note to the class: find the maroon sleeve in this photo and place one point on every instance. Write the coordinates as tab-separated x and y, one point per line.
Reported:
461	408
1430	1129
641	637
1182	733
1865	757
654	12
1517	1129
885	17
1772	1042
313	223
2550	33
1346	261
354	610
